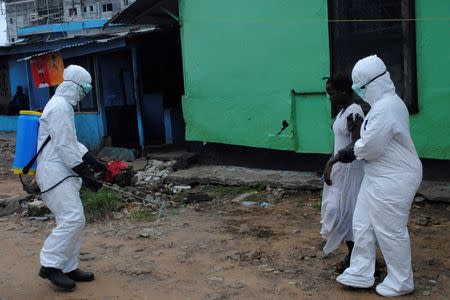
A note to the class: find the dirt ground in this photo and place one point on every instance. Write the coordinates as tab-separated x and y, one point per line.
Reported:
214	250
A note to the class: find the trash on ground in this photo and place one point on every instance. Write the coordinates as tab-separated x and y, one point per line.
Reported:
115	153
113	169
263	204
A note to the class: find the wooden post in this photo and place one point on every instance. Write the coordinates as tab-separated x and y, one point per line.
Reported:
137	97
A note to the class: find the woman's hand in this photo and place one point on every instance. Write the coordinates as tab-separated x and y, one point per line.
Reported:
327	172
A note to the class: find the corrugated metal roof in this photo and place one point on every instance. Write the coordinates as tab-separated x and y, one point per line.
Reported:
150	12
100	39
56	50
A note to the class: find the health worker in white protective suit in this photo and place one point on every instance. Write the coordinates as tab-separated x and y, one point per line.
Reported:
393	173
62	168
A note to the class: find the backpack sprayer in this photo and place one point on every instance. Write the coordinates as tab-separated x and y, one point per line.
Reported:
25	159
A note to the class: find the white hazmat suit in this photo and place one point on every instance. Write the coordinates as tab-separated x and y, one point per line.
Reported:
55	163
393	173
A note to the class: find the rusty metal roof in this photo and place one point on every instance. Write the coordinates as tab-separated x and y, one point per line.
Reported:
149	12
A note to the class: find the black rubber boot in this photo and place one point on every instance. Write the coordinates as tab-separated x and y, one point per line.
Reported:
81	276
343	265
57	277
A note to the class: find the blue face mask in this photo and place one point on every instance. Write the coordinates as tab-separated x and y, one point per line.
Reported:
360	89
357	88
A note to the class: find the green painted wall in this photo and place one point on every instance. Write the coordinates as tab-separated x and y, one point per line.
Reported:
242	59
431	126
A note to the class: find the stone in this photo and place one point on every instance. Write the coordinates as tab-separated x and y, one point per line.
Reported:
426	293
139	164
433	282
249	256
267	270
423	221
12	207
290	270
242	197
435	191
117	215
237	285
184	257
278	192
86	257
218	269
240	176
419	199
179	188
436	222
431	261
20	198
215	279
37	208
150	233
244	229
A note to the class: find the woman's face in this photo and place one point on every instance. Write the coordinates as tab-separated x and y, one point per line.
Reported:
336	97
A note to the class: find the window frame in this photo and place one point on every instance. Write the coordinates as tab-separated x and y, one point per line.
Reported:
107	7
409	63
73	12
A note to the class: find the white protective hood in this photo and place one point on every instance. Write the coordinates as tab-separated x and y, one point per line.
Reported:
69	89
367	69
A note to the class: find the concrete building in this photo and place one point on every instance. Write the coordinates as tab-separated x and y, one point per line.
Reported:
76	10
22	14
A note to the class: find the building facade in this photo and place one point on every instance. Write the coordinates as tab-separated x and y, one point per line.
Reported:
28	13
250	65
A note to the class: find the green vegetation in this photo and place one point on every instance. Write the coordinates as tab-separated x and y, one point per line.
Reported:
99	206
222	190
256	197
143	214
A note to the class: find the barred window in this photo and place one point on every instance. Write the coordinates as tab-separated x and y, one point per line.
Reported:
390	35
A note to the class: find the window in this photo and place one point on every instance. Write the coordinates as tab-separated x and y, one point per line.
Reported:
13	40
11	21
72	11
91	8
392	41
107	7
84	9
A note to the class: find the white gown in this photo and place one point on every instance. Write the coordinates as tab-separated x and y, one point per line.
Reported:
339	199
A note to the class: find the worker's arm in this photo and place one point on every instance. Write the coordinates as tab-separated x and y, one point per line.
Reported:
376	132
63	135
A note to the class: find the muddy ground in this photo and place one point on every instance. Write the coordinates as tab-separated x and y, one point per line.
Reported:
218	249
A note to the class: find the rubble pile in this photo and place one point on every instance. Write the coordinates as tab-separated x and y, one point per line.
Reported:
7	150
155	171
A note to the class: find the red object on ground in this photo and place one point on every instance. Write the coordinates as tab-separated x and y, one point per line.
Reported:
113	168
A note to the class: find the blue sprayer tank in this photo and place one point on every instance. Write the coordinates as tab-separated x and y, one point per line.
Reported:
26	140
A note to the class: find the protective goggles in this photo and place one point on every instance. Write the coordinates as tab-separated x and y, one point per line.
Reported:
85	87
372	80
